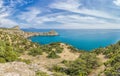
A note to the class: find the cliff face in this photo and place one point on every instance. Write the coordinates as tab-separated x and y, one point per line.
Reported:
16	30
51	33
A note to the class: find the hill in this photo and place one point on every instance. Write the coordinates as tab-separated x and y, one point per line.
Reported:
21	57
17	30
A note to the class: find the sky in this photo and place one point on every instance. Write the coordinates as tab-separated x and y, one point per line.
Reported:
60	14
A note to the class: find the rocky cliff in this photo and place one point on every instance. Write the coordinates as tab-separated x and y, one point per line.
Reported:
16	30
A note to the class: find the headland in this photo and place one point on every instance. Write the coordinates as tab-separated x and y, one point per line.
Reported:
17	30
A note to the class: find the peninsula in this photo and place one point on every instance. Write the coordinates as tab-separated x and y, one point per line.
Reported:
17	30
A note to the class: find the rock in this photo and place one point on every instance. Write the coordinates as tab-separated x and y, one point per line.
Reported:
52	32
16	28
16	69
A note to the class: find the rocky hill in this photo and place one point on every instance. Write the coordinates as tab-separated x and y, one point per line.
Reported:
16	30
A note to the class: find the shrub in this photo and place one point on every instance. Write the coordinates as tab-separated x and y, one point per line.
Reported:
59	74
53	55
2	60
59	50
80	67
11	56
27	61
40	73
7	52
35	51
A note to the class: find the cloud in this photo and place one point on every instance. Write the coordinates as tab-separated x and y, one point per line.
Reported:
30	15
72	18
59	14
1	3
4	21
6	11
74	6
116	2
35	19
7	22
14	3
66	4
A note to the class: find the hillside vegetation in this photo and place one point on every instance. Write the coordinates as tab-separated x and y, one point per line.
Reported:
59	59
112	53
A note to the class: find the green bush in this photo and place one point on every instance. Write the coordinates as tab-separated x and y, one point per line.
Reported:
35	51
80	67
7	52
11	56
2	60
27	61
59	74
53	55
113	66
40	73
59	50
57	68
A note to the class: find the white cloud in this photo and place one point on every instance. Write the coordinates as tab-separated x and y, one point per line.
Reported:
33	18
1	3
13	3
4	14
116	2
76	19
30	15
71	18
7	11
4	22
73	6
82	26
66	4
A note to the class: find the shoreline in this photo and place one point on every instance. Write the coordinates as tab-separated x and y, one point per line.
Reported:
17	30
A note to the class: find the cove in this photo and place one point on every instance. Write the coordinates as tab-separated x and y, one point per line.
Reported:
83	39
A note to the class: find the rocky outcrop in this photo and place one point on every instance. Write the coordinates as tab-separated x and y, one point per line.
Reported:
15	69
51	33
16	27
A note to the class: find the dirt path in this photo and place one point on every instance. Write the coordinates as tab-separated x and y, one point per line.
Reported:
67	54
100	69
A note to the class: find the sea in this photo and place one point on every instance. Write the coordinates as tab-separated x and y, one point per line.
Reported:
83	39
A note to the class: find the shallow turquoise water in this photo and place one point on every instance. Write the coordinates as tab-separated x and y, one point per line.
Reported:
81	39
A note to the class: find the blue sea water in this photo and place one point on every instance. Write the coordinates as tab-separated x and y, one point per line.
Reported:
84	39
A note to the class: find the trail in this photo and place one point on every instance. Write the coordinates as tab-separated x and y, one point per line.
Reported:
67	54
101	68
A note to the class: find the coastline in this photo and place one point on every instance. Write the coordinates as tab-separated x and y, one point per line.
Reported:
19	51
17	30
